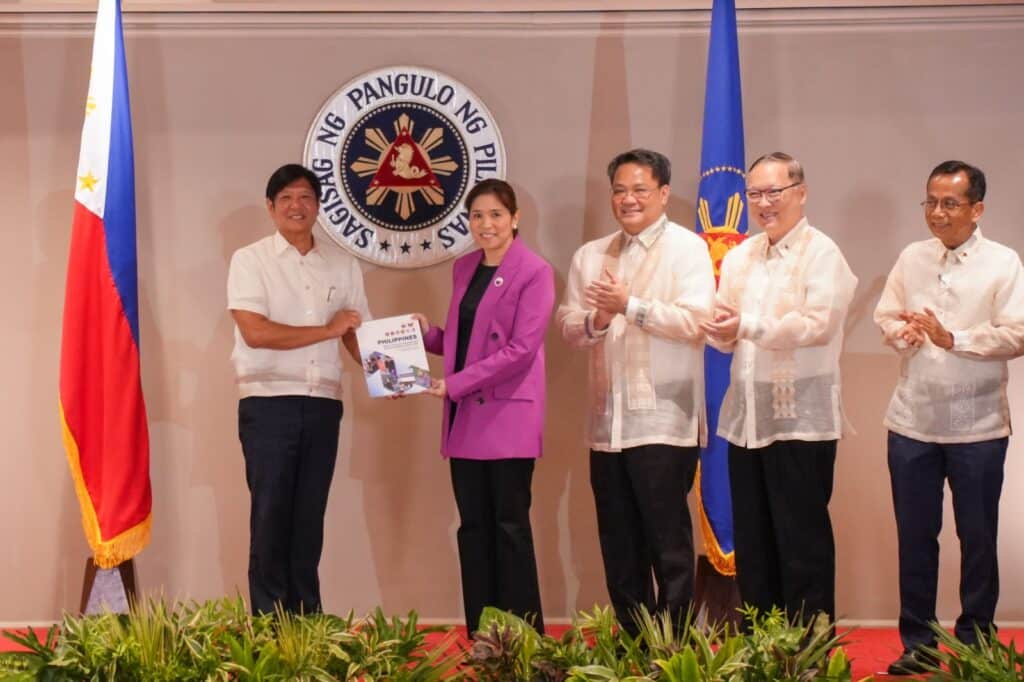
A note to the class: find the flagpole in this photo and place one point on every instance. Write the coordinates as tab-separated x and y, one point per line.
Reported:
722	222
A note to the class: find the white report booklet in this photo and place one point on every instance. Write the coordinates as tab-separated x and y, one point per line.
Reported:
394	359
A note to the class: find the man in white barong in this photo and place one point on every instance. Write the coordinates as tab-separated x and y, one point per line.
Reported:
782	300
635	300
953	308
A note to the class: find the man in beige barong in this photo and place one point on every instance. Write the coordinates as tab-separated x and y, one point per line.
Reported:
635	300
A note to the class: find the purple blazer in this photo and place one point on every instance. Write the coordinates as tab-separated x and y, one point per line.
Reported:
500	391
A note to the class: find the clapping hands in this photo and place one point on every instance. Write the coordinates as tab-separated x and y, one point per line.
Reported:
921	325
724	327
608	296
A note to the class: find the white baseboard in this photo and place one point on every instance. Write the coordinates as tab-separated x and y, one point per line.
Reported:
843	622
8	625
871	623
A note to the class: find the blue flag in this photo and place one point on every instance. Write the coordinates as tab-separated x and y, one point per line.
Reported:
722	221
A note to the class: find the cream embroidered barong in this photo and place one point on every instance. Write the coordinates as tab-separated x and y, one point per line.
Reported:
977	293
793	297
647	368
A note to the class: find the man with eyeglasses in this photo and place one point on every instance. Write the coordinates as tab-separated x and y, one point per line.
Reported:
953	309
635	300
782	299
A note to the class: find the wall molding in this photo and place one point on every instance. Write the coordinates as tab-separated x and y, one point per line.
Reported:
1004	15
476	6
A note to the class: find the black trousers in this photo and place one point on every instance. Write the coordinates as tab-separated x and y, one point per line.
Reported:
496	554
785	551
918	472
644	525
290	444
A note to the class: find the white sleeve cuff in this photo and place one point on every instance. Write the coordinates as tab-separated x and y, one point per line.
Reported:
588	327
961	340
249	305
749	328
636	311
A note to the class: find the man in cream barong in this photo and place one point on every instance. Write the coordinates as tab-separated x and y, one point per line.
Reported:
782	300
953	308
636	300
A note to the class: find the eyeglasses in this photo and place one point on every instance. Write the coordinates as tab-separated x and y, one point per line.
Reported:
947	205
641	193
772	195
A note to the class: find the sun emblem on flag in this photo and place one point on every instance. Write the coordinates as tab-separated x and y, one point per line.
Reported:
405	167
721	238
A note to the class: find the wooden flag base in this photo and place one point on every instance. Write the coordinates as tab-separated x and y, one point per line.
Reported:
126	570
717	593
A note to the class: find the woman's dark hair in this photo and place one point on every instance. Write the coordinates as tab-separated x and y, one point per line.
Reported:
499	188
289	173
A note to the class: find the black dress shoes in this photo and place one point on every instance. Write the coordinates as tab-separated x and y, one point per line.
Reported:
914	662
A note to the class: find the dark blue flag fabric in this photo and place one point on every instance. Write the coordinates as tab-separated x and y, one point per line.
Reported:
722	221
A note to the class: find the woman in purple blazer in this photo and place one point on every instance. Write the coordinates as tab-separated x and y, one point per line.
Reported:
493	391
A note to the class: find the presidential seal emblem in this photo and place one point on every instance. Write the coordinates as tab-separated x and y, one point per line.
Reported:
397	150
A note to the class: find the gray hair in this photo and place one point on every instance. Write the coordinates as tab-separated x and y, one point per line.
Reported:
794	167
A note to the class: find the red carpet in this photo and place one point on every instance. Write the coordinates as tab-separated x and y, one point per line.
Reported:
8	645
870	649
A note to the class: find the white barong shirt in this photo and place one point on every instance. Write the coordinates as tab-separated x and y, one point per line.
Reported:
677	299
793	298
977	293
270	277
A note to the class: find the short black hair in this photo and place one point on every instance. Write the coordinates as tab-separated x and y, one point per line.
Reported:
661	167
975	178
289	173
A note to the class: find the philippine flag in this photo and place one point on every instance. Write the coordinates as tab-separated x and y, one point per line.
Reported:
102	412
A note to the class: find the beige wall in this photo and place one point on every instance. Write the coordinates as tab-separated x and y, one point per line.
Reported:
870	100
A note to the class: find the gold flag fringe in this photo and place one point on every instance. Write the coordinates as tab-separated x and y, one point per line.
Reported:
723	563
106	553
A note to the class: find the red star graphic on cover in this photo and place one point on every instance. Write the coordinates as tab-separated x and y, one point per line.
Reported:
404	165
